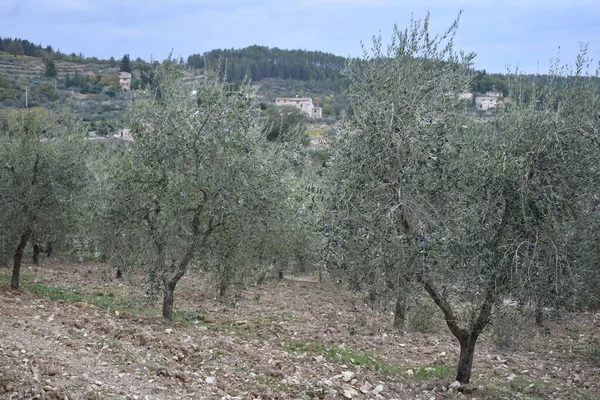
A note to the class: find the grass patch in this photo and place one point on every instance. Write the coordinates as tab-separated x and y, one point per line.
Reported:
54	293
190	316
363	358
437	372
76	295
277	386
272	317
524	386
5	278
112	343
577	395
342	354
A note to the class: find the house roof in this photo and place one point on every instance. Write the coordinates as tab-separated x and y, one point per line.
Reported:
297	99
482	98
124	75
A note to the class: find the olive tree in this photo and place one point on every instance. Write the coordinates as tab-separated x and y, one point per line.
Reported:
281	120
42	176
257	241
475	211
403	100
193	181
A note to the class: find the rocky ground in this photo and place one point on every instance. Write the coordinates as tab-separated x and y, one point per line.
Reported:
93	337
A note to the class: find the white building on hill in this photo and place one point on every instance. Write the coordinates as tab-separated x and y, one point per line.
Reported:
484	103
125	80
305	104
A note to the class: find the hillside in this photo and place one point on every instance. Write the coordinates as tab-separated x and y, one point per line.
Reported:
92	85
92	89
33	67
277	72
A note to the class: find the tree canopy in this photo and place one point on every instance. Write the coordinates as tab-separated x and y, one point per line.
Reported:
50	68
125	65
260	62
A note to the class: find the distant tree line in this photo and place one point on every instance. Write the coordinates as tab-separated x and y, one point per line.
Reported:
484	82
260	62
23	47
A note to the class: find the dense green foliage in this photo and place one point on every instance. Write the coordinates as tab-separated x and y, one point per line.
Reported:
50	71
125	64
283	121
9	88
23	47
484	82
260	62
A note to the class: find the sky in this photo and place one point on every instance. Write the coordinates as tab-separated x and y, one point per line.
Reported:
503	33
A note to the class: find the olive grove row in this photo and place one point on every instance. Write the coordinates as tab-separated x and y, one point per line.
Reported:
416	192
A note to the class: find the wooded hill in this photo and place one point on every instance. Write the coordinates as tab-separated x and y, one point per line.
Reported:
279	73
256	63
260	62
94	82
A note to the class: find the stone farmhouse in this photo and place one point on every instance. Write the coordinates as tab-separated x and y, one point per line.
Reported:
484	103
491	100
125	80
123	134
305	105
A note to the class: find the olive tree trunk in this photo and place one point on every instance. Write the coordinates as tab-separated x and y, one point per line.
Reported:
36	254
466	337
178	270
226	276
168	298
14	281
465	360
400	312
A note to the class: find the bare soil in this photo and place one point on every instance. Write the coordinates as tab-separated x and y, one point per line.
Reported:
95	337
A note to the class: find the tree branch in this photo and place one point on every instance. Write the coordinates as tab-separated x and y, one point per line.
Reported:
451	320
485	312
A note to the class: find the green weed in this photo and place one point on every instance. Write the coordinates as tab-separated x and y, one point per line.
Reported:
577	395
592	355
437	372
526	386
190	316
342	354
76	295
315	132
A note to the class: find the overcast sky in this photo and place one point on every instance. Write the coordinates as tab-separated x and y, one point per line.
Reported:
526	33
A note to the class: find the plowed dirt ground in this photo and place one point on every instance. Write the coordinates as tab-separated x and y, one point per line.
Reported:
75	332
